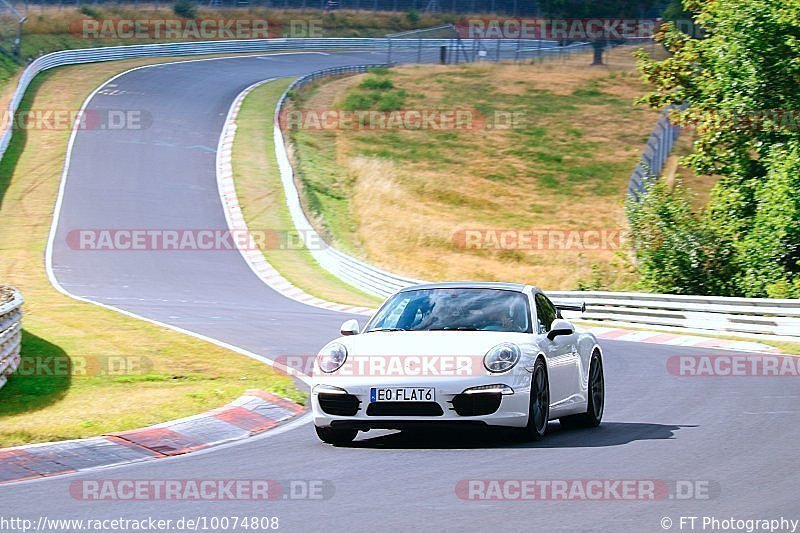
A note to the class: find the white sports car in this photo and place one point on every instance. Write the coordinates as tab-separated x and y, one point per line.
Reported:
489	354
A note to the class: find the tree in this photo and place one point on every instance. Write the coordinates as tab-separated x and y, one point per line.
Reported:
590	9
739	84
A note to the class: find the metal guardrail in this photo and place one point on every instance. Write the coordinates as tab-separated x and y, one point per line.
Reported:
10	336
715	314
112	53
655	155
365	277
780	317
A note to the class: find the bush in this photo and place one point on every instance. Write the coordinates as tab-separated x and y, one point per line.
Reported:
676	251
359	101
89	11
412	17
769	249
376	83
392	101
185	9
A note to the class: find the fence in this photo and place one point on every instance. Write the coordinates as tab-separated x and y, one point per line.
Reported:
405	52
358	274
10	335
504	7
713	313
655	155
447	45
780	317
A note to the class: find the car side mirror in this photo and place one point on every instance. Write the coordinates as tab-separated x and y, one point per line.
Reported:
560	327
350	327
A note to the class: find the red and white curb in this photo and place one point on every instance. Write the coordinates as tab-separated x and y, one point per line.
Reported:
674	339
253	413
233	214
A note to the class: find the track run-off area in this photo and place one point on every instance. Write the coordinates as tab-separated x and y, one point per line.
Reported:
723	442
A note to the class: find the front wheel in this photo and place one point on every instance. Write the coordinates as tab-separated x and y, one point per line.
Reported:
597	394
539	407
336	436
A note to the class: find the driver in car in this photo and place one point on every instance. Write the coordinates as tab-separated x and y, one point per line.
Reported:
498	319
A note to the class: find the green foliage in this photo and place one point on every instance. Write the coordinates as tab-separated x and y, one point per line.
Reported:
374	93
770	247
412	17
677	252
739	83
89	11
185	9
374	82
675	11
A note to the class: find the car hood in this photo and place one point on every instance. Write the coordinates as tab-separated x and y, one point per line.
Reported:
429	342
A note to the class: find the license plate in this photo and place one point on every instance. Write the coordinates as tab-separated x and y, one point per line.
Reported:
402	394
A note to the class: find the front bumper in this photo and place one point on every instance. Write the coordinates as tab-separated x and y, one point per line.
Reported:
350	407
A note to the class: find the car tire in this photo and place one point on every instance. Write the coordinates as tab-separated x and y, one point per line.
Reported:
539	406
596	401
336	436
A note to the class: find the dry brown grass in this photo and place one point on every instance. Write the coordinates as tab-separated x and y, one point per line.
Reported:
263	200
698	186
406	209
188	375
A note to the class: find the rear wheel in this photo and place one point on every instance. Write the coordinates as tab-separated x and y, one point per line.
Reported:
539	408
336	436
596	404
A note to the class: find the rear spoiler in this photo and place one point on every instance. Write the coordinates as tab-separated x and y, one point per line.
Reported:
566	306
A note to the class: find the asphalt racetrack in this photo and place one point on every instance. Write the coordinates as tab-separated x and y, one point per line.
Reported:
732	440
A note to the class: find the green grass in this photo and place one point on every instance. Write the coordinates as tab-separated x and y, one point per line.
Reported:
184	376
555	151
261	196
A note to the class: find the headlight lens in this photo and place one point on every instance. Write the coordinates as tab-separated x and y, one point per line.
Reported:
502	357
331	357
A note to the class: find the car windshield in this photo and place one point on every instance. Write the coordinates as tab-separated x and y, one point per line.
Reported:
454	309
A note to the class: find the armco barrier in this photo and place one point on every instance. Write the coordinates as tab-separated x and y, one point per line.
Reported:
656	151
780	317
10	335
111	53
716	314
713	313
358	274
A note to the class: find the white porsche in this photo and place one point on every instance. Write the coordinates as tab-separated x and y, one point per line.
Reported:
487	354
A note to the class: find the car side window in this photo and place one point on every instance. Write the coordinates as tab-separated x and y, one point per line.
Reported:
545	313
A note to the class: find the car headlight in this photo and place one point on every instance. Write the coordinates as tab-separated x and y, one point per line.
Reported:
502	357
331	357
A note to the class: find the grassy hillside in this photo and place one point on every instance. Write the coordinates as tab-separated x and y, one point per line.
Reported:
175	375
402	197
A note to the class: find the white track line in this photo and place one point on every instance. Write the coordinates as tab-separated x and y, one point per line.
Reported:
57	215
236	223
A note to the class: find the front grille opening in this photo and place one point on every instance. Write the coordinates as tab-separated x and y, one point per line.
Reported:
404	409
481	403
338	404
